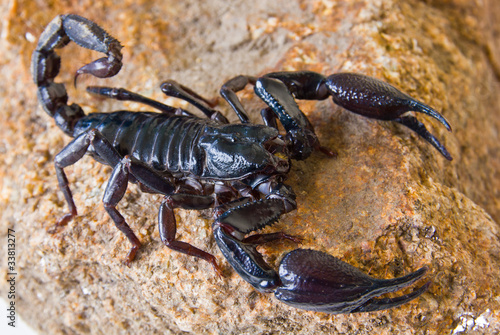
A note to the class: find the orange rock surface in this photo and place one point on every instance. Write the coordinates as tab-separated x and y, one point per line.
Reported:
388	204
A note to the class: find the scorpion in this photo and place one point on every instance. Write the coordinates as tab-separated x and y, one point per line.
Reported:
237	169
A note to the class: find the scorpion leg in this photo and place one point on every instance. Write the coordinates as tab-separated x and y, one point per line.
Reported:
228	92
72	153
124	171
115	190
174	89
126	95
166	219
167	225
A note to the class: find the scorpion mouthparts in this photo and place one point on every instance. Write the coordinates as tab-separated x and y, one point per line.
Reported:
279	159
281	163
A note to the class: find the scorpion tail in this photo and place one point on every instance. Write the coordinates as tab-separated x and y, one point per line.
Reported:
315	281
46	64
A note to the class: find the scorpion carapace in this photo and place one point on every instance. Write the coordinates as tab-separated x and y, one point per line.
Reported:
237	169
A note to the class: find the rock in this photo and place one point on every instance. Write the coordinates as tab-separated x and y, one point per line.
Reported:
388	204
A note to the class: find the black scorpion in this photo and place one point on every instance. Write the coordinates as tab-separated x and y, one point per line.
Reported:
237	169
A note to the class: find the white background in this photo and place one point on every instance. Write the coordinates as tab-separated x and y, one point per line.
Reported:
20	329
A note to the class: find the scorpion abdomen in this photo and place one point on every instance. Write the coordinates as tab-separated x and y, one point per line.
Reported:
163	142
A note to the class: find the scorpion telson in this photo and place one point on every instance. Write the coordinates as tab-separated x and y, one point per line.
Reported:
239	170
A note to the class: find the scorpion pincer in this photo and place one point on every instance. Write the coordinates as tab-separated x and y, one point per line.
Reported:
237	169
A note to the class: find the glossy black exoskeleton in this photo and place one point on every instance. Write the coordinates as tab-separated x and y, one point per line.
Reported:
237	169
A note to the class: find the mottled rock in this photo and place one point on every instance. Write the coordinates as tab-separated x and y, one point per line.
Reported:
388	204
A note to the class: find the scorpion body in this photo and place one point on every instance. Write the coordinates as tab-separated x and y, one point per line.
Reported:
239	170
164	142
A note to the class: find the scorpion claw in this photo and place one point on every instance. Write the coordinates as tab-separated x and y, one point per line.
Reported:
374	98
418	127
315	281
423	108
386	303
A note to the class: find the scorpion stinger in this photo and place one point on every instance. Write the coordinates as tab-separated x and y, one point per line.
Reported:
46	64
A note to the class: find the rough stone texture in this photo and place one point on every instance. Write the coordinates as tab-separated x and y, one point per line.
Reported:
388	204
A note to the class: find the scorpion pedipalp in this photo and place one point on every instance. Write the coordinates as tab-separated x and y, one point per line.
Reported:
355	92
307	279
